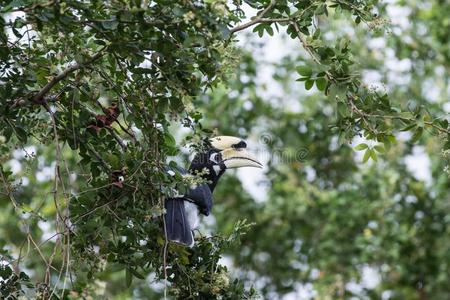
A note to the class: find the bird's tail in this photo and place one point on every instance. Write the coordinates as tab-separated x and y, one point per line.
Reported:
178	228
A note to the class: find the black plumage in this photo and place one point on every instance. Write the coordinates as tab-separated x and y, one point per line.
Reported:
177	224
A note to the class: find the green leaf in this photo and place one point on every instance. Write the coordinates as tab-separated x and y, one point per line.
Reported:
321	84
336	91
373	155
137	274
176	104
417	135
113	160
309	84
341	138
141	71
409	127
316	34
5	272
388	141
163	105
128	277
342	109
304	71
169	140
443	123
21	134
110	24
361	146
380	148
100	42
366	155
259	29
446	145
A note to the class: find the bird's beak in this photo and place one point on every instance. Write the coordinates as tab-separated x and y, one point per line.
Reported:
239	157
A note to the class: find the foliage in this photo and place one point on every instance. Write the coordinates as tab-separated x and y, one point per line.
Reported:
97	93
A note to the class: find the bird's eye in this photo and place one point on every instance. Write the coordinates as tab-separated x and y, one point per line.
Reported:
215	157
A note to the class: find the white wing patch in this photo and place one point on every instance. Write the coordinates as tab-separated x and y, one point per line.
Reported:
192	214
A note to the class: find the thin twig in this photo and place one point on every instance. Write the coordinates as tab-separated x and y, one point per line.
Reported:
305	44
8	189
360	113
99	158
93	210
59	218
116	137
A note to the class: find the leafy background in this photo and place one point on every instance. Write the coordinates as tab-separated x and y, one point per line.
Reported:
345	101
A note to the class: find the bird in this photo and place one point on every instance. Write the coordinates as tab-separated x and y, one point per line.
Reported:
183	212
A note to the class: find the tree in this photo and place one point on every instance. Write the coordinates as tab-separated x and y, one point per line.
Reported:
98	92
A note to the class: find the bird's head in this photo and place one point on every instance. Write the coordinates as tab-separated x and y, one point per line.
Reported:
225	152
230	152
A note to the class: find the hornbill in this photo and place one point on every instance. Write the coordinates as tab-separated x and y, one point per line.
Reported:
183	212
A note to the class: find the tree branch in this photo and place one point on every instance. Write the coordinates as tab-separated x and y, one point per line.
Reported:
35	6
350	99
257	19
305	44
40	95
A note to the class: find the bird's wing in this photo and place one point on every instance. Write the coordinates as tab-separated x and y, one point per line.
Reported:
202	196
